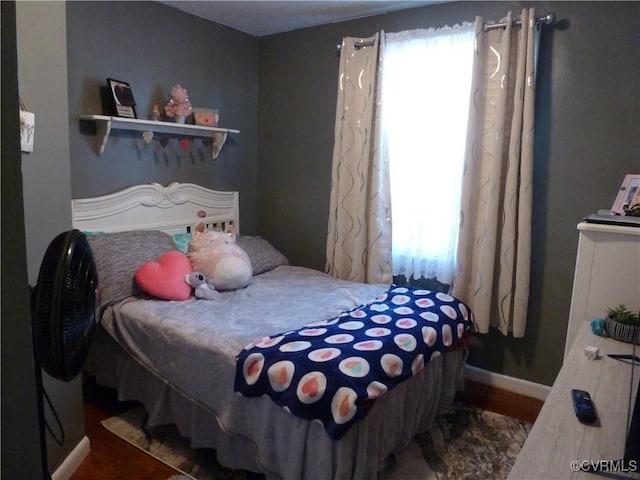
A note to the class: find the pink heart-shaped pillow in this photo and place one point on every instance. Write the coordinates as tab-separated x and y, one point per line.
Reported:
165	278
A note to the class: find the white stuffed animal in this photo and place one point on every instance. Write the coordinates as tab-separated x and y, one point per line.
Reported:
225	265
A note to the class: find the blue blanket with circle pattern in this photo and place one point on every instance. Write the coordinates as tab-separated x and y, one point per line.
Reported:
334	369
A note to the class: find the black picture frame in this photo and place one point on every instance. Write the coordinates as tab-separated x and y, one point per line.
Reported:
124	105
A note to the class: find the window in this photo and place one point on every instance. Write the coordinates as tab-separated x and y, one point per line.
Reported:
426	85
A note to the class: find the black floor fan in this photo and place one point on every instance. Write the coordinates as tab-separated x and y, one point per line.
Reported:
64	313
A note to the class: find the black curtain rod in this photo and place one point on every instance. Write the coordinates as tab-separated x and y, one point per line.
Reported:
546	19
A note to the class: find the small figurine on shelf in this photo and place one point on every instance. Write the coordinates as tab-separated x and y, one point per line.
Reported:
179	106
155	113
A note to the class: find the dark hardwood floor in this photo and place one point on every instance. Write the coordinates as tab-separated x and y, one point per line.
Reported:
113	459
110	457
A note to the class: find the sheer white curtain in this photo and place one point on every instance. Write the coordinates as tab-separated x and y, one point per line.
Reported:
453	144
425	97
495	235
359	231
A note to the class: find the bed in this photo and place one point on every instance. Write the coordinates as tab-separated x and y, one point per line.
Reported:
190	363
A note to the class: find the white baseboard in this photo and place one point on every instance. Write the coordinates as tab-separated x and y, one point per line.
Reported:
512	384
73	460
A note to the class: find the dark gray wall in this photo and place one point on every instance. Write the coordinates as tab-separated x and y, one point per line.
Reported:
586	141
129	41
21	455
153	47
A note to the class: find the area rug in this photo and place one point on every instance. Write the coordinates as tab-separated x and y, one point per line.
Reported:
467	443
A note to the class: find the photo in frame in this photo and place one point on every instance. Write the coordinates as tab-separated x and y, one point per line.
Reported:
27	129
206	117
628	194
122	96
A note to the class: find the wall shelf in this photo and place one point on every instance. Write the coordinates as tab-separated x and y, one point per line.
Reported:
105	124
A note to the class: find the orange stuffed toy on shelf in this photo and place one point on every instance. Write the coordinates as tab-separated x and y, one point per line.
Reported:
216	254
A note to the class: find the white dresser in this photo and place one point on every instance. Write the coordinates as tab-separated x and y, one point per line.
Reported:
607	274
559	446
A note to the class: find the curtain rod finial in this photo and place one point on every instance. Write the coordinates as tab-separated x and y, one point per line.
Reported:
548	19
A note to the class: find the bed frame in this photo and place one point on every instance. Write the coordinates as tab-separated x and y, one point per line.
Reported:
366	447
172	209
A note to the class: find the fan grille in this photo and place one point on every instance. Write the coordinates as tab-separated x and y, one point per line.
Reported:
66	304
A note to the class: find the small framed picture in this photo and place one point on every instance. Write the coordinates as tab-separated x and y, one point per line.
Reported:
122	95
628	195
207	117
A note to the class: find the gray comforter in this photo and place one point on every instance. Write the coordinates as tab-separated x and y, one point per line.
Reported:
190	348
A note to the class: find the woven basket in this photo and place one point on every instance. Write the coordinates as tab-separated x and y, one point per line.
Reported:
621	331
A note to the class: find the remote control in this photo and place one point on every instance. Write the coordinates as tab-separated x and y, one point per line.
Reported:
583	406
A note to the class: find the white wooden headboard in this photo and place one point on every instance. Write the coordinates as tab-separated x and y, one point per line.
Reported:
172	209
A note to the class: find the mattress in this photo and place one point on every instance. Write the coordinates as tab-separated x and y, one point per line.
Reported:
179	360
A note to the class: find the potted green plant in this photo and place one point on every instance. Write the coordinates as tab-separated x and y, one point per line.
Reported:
623	324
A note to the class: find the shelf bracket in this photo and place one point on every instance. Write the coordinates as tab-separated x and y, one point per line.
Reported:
103	129
217	141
